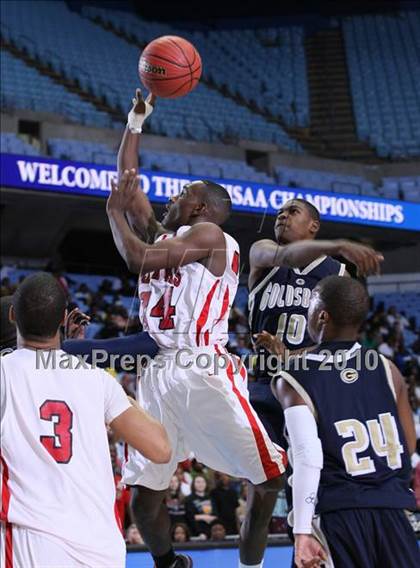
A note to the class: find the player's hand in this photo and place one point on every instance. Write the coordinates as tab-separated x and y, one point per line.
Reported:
365	258
75	324
270	342
308	551
142	108
140	104
123	191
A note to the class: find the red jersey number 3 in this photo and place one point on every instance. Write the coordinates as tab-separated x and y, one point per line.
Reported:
59	446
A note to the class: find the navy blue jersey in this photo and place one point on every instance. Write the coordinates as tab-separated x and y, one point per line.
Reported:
351	393
279	302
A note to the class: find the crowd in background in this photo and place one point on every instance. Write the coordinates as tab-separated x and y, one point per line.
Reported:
204	504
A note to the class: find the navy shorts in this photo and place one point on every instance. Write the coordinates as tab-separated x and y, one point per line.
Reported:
370	538
268	409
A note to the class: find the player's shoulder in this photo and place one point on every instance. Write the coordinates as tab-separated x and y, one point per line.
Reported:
79	364
205	233
262	244
16	357
231	241
333	266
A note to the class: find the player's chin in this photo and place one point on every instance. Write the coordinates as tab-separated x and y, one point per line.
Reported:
168	223
283	238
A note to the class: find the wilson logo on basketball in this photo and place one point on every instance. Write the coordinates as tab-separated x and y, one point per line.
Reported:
148	68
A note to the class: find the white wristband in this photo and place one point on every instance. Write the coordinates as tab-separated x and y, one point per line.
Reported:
135	119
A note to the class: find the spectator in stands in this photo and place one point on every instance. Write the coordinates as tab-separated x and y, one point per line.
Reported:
226	501
106	287
7	288
241	510
391	316
370	339
387	347
96	312
128	383
242	347
238	321
416	345
175	502
185	480
180	533
412	323
402	320
133	536
401	354
198	468
84	294
127	288
8	329
115	324
200	508
217	531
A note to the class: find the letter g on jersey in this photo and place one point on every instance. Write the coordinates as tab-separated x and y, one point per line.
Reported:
349	375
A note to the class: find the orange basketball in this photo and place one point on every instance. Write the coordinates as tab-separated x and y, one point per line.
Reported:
170	67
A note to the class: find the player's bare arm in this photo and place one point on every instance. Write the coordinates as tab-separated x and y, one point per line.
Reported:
267	254
204	242
141	216
308	550
143	433
405	412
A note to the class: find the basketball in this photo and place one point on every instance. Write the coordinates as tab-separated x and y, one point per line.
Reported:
170	67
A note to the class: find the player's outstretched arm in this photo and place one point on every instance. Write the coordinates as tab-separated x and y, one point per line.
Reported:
103	352
267	254
144	433
202	241
140	215
405	413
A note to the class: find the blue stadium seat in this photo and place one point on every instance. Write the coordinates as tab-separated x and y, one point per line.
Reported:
383	59
13	144
75	46
23	87
194	164
240	51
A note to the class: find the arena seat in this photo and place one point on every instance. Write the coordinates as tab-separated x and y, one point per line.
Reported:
408	302
23	87
242	51
383	59
82	151
194	164
75	46
405	187
324	181
12	144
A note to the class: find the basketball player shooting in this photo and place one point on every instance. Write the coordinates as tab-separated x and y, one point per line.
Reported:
188	271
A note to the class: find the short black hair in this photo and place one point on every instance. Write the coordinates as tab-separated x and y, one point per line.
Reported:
346	300
39	304
8	329
218	198
312	210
